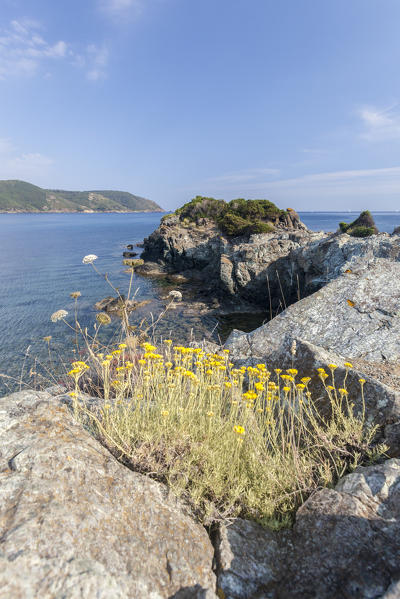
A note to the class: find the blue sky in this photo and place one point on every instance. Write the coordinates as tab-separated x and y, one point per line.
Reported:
296	101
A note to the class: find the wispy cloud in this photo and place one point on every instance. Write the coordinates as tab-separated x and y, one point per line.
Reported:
231	180
26	165
318	191
23	49
97	61
380	124
24	53
119	8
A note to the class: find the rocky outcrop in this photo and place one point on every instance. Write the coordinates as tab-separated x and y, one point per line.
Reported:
356	315
75	523
268	270
345	544
235	270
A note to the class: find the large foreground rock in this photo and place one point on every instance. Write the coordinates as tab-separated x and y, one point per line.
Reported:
75	523
345	545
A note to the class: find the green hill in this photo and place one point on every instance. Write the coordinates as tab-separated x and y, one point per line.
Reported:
19	196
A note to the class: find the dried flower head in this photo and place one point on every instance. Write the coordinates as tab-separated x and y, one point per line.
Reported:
103	318
75	294
47	339
133	263
293	348
89	259
59	315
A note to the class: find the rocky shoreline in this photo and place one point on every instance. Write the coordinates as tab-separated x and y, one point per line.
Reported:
77	524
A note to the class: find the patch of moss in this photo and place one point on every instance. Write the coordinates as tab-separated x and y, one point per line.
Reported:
236	218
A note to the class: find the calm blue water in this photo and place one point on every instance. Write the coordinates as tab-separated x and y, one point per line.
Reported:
329	221
41	264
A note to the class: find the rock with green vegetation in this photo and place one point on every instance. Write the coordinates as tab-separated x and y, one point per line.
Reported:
19	196
238	217
363	226
345	543
233	248
75	523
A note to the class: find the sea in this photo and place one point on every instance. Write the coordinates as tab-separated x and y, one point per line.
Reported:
41	265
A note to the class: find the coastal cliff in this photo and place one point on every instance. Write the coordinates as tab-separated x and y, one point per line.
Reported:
230	255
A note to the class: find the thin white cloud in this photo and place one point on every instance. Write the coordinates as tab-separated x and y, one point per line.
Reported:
245	176
25	53
97	60
23	50
28	165
336	190
120	8
380	124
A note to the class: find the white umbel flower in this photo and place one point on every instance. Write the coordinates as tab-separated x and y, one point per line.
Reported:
175	295
59	315
89	259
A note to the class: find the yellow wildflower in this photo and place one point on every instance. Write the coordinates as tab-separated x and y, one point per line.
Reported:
239	430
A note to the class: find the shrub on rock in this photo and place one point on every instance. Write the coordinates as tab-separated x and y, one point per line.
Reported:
363	226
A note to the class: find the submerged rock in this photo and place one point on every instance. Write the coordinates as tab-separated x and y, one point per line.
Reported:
77	524
114	304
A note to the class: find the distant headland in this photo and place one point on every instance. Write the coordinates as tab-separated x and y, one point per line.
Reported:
20	196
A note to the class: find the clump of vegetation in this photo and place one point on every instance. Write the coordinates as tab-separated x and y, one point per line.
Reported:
232	441
363	226
236	218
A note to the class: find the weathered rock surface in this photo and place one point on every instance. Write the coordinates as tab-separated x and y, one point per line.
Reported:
270	270
234	269
323	260
345	544
76	524
355	315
